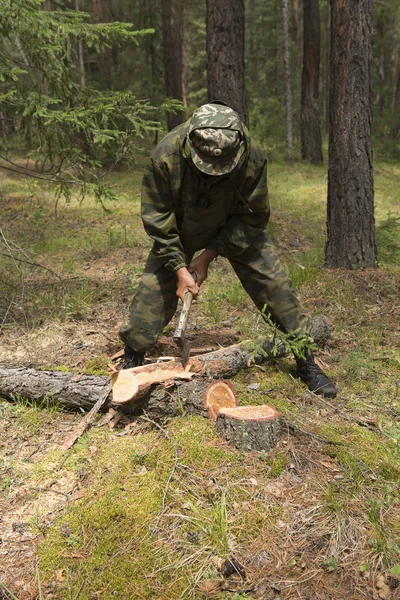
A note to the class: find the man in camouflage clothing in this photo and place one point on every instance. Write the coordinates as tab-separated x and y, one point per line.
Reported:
205	189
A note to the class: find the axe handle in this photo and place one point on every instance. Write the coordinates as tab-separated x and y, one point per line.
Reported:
184	316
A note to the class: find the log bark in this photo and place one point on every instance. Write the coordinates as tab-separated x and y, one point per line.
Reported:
250	427
69	390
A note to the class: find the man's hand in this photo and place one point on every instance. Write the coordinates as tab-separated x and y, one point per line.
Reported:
200	264
186	283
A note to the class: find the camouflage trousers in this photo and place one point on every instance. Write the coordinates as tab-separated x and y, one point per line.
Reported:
259	271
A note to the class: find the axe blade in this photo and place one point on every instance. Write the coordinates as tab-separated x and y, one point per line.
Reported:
184	346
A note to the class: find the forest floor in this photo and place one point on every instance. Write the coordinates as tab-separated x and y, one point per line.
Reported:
140	512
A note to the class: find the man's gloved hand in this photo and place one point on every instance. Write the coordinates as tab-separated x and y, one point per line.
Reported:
186	283
200	264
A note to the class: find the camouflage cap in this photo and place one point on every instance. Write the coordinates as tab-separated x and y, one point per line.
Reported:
216	139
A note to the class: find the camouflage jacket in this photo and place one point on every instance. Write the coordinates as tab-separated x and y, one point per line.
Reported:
184	210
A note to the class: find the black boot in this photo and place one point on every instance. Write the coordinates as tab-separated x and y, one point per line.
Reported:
314	377
132	358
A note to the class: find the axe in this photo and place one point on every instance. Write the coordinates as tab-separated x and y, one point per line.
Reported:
179	333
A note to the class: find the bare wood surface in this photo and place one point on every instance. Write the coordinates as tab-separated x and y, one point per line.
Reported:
219	394
179	333
130	384
184	316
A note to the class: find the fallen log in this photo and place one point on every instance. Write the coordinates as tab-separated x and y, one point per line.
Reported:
159	400
167	398
68	390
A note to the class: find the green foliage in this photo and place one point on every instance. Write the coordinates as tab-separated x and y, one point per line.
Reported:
395	571
330	564
97	365
279	463
76	133
299	345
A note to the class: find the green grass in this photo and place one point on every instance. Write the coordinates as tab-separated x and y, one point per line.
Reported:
118	529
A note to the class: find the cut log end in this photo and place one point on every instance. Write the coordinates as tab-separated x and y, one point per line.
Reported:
220	394
130	384
250	427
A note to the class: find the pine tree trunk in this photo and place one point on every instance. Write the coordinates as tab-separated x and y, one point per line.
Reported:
295	21
225	54
350	224
172	28
288	82
395	129
311	142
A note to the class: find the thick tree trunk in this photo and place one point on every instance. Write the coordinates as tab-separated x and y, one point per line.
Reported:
225	54
288	82
350	223
311	142
172	29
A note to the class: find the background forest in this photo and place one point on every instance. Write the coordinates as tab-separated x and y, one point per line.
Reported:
139	509
158	50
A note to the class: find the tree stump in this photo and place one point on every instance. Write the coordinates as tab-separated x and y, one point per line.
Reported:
250	427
